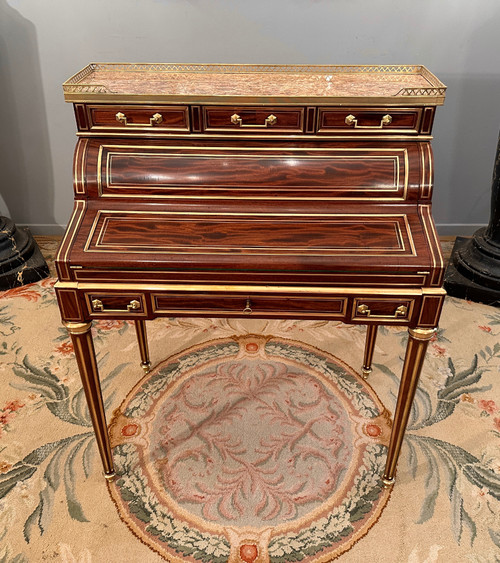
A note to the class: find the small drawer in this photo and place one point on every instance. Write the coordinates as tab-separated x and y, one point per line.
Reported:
380	310
117	304
137	119
250	305
369	120
253	119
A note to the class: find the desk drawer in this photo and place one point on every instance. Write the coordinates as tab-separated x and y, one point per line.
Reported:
369	121
103	304
250	305
264	120
381	310
138	119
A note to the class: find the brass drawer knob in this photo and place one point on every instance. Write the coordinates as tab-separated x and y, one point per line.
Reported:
133	305
270	120
155	119
352	120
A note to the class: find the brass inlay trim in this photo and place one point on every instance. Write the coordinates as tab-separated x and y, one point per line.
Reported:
438	308
419	280
101	289
143	153
217	218
62	304
69	236
430	231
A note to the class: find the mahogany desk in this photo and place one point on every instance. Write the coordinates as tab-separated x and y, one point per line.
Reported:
259	191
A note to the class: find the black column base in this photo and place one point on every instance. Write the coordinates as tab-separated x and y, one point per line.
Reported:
473	271
21	261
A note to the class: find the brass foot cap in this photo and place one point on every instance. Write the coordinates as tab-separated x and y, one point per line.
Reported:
388	483
365	372
146	366
110	476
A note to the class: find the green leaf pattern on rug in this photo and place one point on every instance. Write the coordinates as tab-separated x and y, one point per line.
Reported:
64	455
454	461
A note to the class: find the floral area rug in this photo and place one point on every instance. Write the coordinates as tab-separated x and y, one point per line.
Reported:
249	441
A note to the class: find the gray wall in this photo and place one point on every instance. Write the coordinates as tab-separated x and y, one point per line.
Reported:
42	43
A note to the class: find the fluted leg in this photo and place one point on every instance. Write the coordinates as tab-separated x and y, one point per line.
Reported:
371	337
87	365
142	339
414	359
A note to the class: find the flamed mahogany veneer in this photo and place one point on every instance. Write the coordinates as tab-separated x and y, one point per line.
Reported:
252	191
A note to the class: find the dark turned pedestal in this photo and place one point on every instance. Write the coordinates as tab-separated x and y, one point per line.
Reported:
474	270
21	261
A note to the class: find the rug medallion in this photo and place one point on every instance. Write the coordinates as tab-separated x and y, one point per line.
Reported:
250	449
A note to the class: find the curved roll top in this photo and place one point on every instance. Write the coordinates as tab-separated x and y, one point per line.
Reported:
382	171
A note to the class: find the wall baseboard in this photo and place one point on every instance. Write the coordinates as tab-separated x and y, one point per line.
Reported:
457	229
44	230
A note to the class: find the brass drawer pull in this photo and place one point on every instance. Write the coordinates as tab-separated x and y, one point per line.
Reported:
248	310
363	309
270	120
122	118
97	305
352	120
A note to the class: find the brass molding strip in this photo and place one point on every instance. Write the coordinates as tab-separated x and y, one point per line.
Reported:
226	288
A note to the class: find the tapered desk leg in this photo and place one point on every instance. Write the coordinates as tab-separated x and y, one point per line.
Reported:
371	337
87	365
142	339
414	359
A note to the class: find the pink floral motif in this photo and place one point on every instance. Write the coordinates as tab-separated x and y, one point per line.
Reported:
438	350
258	440
109	324
485	328
65	348
488	406
8	413
496	423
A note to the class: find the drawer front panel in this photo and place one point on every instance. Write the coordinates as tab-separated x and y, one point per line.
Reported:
380	310
253	119
250	305
138	119
367	121
387	173
103	304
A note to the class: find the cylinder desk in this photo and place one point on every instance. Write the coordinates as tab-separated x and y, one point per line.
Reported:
252	191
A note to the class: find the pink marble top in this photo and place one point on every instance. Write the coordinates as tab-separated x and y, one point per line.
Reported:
240	81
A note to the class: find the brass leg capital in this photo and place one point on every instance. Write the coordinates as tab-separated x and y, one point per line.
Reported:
146	366
77	328
422	333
